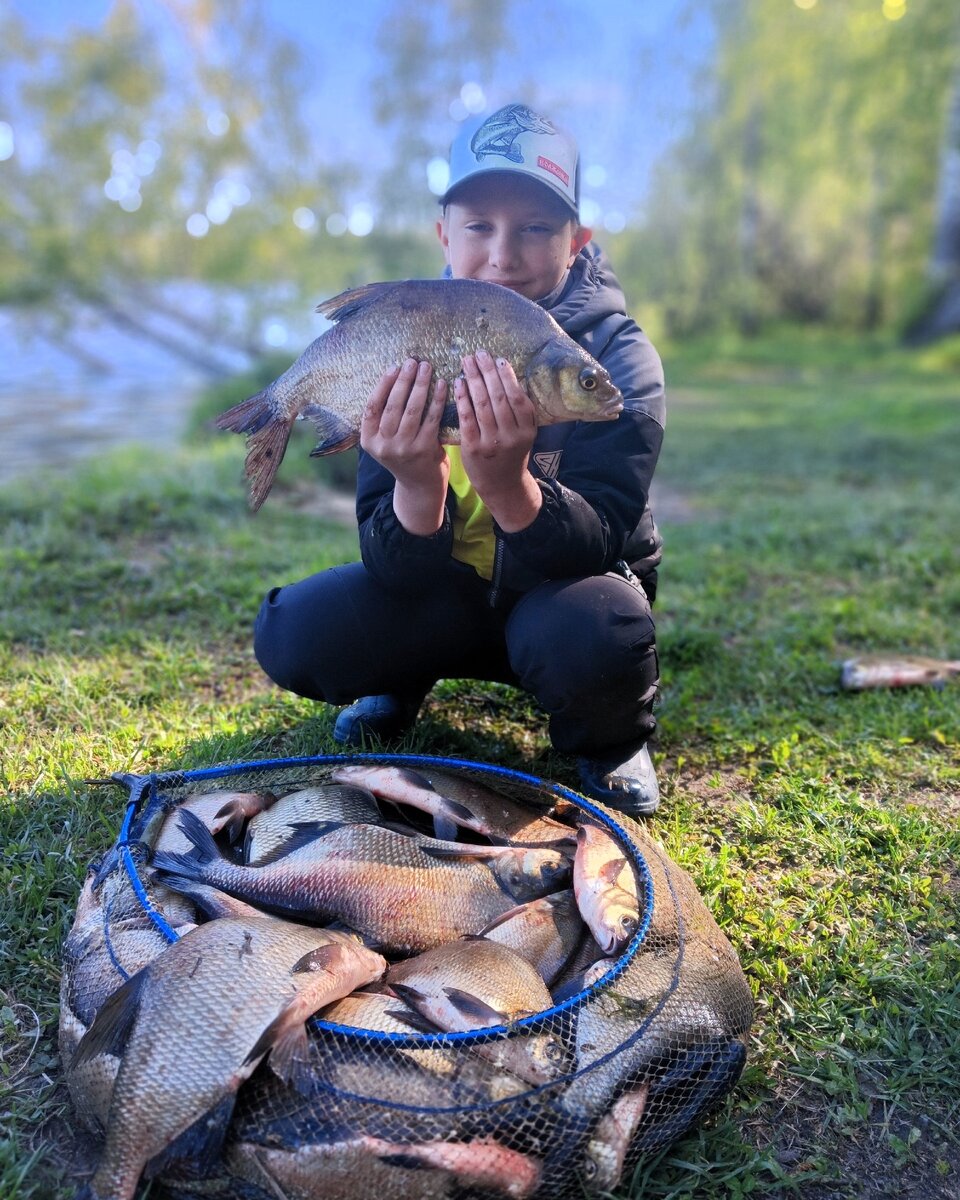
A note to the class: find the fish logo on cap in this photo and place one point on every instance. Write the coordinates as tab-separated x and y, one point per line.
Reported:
499	132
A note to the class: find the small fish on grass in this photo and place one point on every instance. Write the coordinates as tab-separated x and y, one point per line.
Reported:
896	670
432	320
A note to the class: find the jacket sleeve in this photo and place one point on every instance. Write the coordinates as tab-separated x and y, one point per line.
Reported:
593	507
399	561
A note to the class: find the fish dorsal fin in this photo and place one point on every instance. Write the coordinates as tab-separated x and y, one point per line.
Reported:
112	1025
303	833
349	303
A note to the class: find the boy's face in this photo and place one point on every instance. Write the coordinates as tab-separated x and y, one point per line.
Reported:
510	230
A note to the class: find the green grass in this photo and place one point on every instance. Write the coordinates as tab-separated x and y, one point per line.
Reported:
819	518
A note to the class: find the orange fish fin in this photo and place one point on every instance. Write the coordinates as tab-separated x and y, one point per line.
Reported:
265	451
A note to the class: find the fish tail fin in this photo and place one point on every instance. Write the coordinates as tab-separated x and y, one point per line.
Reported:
205	849
267	437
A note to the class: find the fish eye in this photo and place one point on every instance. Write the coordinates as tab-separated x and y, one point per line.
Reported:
589	1167
553	1051
628	924
589	379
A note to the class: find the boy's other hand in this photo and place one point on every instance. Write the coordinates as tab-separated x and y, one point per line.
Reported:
400	428
497	429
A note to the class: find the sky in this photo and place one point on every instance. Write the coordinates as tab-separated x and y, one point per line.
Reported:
618	72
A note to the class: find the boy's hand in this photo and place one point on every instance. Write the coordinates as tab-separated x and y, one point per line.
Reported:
497	429
400	428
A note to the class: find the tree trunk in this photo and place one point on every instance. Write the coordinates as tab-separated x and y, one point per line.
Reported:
941	315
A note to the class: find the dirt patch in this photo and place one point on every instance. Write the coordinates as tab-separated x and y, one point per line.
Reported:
892	1155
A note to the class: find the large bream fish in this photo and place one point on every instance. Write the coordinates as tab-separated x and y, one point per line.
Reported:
432	320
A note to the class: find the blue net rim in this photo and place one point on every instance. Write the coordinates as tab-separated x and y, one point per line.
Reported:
141	787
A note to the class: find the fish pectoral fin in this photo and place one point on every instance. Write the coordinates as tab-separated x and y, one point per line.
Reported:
475	1008
416	1021
290	1057
200	1143
336	432
462	850
408	994
407	1161
113	1023
610	871
232	815
450	422
322	958
516	911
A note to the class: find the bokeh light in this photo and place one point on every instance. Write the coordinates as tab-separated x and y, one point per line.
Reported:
438	175
197	225
893	10
218	122
472	99
275	332
595	175
7	144
360	222
305	219
336	224
589	211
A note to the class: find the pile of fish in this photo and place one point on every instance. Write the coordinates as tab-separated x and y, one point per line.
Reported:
383	978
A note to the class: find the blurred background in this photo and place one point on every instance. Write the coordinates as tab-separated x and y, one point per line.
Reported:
181	182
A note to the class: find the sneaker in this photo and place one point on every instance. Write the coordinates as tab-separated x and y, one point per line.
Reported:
628	786
376	718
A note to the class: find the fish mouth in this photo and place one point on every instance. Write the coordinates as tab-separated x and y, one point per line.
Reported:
611	409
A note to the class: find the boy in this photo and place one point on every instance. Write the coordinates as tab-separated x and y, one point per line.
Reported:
523	555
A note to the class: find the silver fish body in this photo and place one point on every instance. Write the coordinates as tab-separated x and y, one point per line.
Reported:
388	887
454	801
476	984
611	1137
606	889
433	320
195	1023
546	932
344	1169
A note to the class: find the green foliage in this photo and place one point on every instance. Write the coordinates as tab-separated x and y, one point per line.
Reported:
818	518
805	188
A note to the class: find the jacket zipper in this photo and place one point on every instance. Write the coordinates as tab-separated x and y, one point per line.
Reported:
494	593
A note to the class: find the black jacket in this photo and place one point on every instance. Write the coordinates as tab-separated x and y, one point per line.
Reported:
595	476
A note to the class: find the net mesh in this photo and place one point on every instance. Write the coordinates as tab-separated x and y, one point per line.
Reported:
625	1054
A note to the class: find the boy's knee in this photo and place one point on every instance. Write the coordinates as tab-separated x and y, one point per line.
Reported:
271	647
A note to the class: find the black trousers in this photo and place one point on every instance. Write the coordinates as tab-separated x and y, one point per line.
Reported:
583	648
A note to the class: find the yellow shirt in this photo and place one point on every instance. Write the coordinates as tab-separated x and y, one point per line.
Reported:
473	539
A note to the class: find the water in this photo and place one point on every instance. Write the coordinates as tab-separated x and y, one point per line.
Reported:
71	391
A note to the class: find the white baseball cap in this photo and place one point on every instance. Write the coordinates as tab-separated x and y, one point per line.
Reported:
517	140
